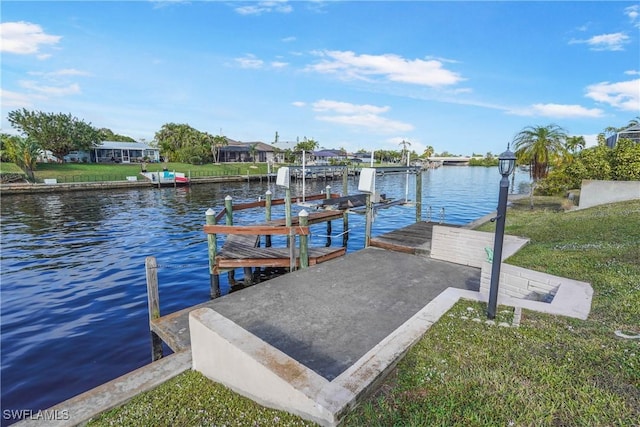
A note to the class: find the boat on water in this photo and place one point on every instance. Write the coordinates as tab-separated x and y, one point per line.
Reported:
166	178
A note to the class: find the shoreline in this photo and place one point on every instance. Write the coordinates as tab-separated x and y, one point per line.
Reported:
30	188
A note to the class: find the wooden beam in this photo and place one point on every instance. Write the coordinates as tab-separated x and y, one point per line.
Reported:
256	229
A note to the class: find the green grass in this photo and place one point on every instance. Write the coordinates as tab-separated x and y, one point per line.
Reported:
551	370
91	172
7	167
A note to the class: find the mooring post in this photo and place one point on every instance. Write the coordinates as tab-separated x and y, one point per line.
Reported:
328	196
419	196
228	209
303	220
267	216
345	227
287	215
369	220
153	301
345	182
212	241
175	183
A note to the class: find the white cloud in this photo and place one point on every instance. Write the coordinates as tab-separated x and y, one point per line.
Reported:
363	116
298	104
370	121
557	111
590	140
71	89
347	108
633	12
60	73
610	42
14	99
279	64
622	95
632	72
279	6
289	39
392	67
250	61
25	38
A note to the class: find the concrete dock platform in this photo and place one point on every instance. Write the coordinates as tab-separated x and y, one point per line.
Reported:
316	341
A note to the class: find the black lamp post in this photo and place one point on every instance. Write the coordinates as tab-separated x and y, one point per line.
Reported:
506	164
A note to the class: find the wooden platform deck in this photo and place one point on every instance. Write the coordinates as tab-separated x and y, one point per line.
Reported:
244	250
412	239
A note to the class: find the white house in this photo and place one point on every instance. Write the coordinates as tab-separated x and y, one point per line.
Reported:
116	152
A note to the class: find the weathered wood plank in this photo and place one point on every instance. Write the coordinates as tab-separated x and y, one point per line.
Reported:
256	230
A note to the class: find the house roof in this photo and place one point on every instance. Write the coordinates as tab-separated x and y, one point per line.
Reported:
328	153
244	146
118	145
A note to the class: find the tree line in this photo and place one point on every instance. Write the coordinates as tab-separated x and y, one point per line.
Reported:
556	161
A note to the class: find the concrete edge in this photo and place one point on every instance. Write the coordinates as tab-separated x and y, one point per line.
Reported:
228	354
80	409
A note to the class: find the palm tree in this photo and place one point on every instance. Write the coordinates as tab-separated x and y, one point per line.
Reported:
539	146
218	142
428	152
404	149
253	151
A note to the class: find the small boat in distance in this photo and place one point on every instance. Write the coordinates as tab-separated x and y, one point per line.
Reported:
166	178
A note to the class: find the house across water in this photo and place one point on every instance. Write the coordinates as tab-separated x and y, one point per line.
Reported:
115	152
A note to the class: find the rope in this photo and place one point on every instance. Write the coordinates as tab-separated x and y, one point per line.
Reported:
159	266
332	236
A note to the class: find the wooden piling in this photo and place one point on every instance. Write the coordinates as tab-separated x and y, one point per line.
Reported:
228	208
329	231
267	215
153	301
303	220
419	196
368	221
345	181
345	228
211	239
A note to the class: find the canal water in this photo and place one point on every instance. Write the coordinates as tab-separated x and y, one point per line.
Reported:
73	290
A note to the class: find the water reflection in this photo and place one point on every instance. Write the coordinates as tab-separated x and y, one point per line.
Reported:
73	306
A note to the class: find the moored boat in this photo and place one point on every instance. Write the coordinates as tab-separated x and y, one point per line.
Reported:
166	178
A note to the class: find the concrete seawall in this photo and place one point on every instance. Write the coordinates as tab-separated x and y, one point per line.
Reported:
28	188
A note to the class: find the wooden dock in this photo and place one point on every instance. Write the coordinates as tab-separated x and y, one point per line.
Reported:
412	239
173	328
242	247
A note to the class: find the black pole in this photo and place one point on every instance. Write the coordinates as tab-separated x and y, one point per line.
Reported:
497	246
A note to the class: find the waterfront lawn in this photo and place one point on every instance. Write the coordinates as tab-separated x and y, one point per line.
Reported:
551	370
8	167
90	172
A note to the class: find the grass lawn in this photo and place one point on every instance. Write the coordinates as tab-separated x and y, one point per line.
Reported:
90	172
551	370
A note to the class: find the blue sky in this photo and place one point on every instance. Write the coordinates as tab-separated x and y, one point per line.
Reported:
460	76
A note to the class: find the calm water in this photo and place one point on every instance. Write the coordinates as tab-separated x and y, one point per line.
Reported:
73	290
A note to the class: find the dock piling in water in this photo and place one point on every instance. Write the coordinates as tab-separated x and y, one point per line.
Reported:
419	196
211	239
153	301
228	207
303	220
267	216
